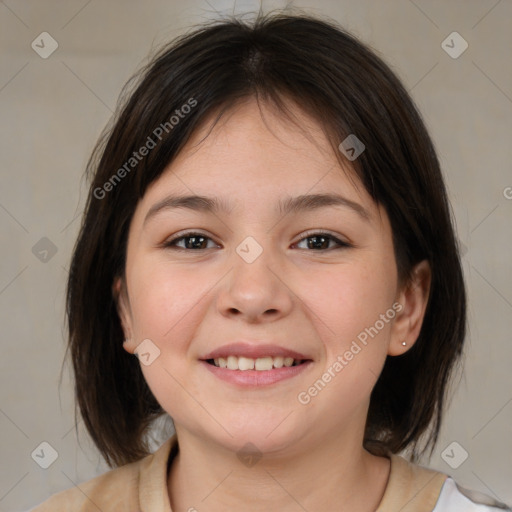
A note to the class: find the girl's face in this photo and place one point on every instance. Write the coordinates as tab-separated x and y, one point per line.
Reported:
259	273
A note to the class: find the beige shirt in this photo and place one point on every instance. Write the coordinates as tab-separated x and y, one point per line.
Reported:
142	487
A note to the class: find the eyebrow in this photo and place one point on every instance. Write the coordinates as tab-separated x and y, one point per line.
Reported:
287	205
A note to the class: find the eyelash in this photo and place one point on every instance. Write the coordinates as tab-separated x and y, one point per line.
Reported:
170	244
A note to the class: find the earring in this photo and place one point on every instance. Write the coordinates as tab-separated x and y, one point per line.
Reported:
404	343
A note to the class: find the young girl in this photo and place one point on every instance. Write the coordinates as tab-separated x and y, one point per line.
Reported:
268	232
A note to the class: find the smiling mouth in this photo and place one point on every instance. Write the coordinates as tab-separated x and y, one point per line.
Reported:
260	363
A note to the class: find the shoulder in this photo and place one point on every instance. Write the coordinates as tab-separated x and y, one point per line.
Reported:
454	497
411	488
117	488
140	485
414	488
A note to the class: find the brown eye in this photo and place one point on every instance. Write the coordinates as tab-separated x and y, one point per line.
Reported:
193	241
321	240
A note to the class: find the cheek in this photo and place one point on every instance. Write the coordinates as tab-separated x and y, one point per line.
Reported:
165	305
352	298
350	302
163	298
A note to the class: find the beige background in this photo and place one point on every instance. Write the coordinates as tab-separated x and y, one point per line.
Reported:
52	111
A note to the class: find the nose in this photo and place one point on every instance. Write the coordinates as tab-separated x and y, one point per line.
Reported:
257	291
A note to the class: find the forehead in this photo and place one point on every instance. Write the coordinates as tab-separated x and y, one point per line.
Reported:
255	154
255	127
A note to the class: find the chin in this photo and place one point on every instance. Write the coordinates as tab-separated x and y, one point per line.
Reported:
264	436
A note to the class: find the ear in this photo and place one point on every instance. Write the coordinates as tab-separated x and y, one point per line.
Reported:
120	295
413	298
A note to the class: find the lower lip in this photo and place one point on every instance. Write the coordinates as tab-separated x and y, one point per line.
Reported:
256	378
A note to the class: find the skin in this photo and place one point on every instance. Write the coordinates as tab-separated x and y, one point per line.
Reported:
310	300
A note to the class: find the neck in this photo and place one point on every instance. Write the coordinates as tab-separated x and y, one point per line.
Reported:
334	473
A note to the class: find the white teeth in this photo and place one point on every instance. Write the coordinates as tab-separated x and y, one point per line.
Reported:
248	363
278	362
232	363
263	363
244	363
288	361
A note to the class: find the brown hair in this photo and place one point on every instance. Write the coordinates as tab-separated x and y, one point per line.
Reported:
348	89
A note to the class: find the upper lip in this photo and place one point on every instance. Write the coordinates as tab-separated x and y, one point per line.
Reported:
253	350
